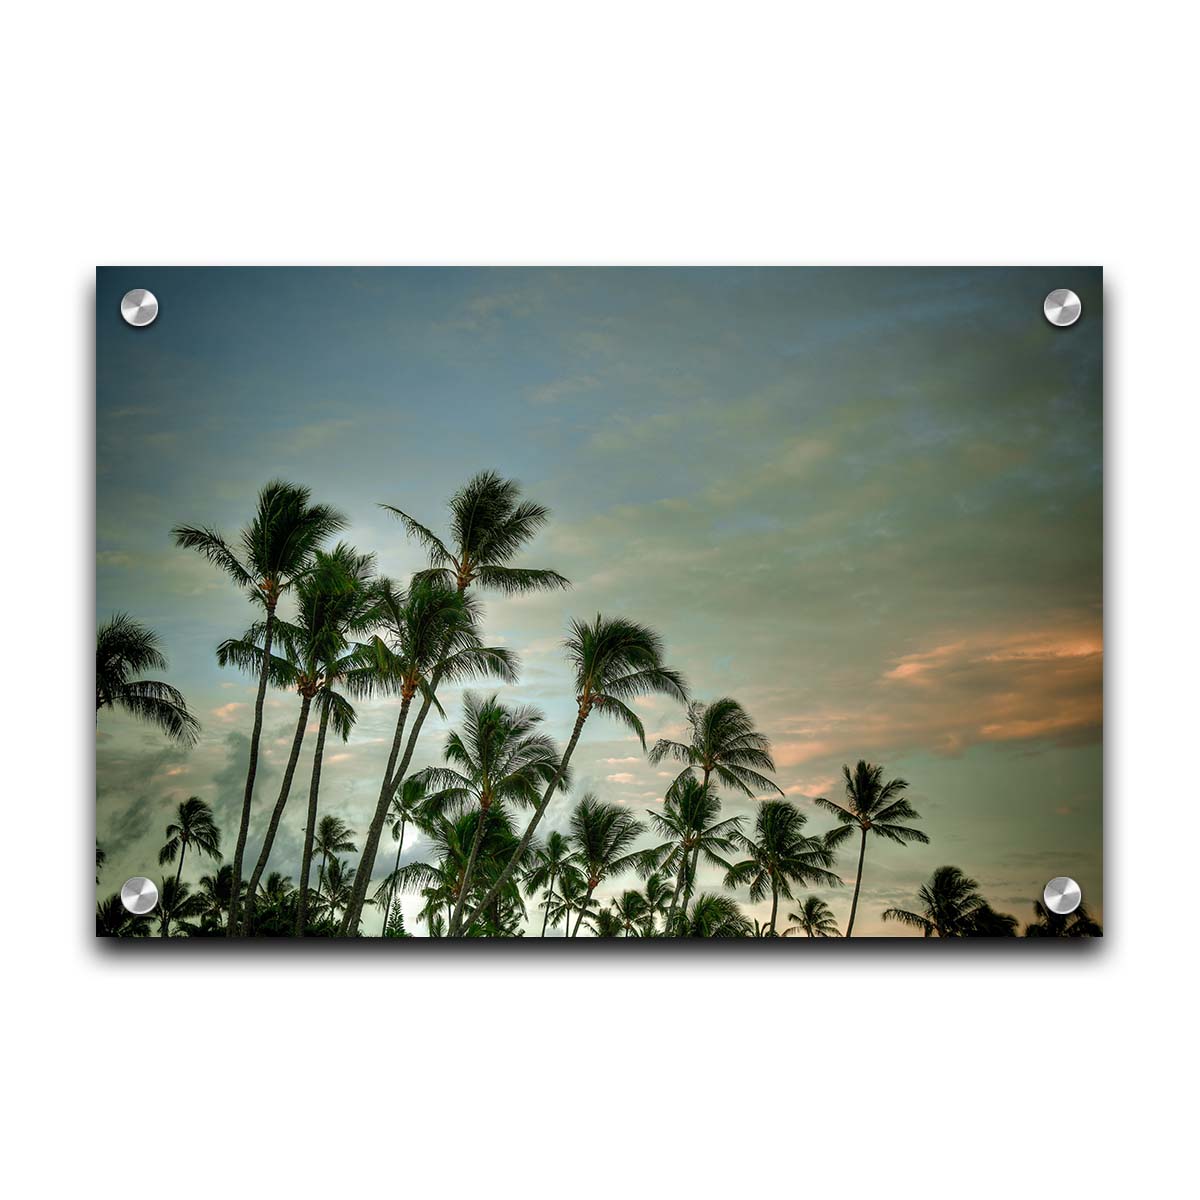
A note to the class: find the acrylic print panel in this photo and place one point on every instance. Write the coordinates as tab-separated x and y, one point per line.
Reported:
584	603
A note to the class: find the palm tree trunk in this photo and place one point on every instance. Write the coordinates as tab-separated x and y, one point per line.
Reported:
366	864
251	771
678	888
476	841
857	884
182	852
582	909
774	904
527	836
310	827
285	789
549	896
392	893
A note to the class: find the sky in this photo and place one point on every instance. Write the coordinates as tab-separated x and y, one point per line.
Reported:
866	503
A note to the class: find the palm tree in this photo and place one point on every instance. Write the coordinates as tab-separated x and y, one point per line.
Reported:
714	916
691	822
178	908
406	806
724	743
429	635
987	922
125	649
814	918
193	826
548	860
949	904
335	601
657	891
872	806
1079	924
780	854
442	880
604	923
603	836
215	891
113	919
339	885
101	859
333	837
572	888
630	908
499	757
614	660
277	550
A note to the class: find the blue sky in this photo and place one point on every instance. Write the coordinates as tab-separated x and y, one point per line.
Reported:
867	503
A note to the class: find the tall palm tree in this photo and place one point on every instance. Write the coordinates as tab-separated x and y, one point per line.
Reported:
499	757
873	805
276	551
1079	924
602	836
714	916
429	635
724	744
780	854
949	904
113	919
193	826
333	837
124	649
335	601
178	909
549	861
406	806
691	823
613	660
814	918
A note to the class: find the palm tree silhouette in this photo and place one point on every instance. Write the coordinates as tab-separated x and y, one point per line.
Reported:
277	550
406	806
193	826
548	861
333	837
691	822
572	892
178	908
714	916
113	919
429	634
658	891
723	743
951	907
124	649
1079	924
613	660
339	886
604	923
498	757
215	891
872	806
630	908
602	836
780	854
814	918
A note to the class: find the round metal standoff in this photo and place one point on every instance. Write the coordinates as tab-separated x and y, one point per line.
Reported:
139	307
1062	895
139	895
1062	307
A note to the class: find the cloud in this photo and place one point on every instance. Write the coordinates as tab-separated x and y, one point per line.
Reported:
227	712
621	777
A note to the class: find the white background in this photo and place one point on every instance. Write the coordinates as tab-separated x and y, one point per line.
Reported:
644	133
